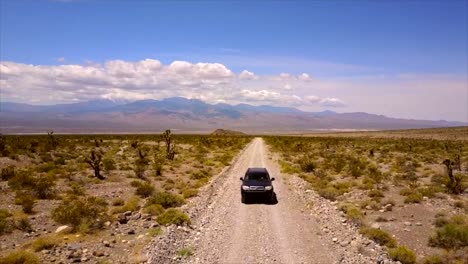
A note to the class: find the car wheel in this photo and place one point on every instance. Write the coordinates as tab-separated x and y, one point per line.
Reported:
244	198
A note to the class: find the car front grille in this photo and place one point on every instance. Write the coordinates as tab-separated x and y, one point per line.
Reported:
257	188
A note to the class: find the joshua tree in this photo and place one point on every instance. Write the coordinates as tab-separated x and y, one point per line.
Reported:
140	164
95	161
454	184
3	150
52	141
170	146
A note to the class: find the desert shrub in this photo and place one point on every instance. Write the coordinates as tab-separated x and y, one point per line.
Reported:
118	202
20	257
22	223
132	204
187	193
8	173
153	209
76	189
59	161
414	198
434	259
166	199
108	164
47	242
367	184
379	236
402	254
375	193
46	167
201	174
429	191
185	252
330	193
26	200
374	173
78	211
173	216
406	191
287	168
154	232
353	214
158	162
307	164
44	187
6	225
451	235
144	189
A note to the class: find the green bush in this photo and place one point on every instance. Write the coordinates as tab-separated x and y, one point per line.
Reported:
434	259
44	187
22	223
47	242
188	193
201	174
118	202
6	225
402	254
78	211
406	191
76	189
166	199
153	209
329	193
20	257
375	193
379	236
8	173
173	216
108	164
450	236
144	190
132	205
353	214
26	200
185	252
414	198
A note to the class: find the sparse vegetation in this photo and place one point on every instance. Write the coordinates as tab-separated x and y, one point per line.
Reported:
173	216
402	254
379	236
20	257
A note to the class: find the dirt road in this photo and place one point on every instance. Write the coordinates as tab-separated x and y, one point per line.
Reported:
228	231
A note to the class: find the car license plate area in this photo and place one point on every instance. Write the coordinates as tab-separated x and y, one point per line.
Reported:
257	188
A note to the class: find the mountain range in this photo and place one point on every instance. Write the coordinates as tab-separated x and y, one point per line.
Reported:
189	115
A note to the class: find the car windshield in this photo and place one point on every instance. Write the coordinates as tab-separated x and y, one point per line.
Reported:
259	176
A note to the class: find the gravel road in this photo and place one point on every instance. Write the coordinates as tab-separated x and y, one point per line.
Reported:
290	231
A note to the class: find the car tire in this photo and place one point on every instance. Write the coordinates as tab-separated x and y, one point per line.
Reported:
243	198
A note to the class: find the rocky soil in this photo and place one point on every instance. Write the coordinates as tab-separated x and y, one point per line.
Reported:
301	228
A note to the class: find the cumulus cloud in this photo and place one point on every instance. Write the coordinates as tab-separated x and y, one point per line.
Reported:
151	79
332	102
245	74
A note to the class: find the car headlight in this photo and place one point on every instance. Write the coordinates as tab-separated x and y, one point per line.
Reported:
245	188
268	188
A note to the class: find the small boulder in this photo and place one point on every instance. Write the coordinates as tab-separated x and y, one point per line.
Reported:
63	229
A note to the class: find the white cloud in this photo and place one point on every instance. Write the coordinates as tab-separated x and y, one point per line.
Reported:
149	78
245	74
304	77
61	59
331	102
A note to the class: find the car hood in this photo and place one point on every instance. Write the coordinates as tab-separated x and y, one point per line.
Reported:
256	183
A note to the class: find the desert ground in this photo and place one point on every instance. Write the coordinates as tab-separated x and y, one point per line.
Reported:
373	197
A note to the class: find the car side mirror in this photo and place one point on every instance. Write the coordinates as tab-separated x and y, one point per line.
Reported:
241	178
272	179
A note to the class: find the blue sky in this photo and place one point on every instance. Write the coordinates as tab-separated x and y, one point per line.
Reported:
369	44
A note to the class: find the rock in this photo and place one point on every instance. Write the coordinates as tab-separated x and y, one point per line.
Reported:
106	243
128	213
418	223
407	229
98	253
131	232
382	210
407	223
107	224
335	240
45	251
375	225
135	216
368	207
63	229
122	219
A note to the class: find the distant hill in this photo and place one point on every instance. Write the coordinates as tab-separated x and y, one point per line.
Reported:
189	115
226	132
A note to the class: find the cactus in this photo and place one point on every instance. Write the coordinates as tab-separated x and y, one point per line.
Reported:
95	161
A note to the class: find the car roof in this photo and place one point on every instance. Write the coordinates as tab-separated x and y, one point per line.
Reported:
249	170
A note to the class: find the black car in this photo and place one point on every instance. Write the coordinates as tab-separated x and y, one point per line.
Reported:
257	182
